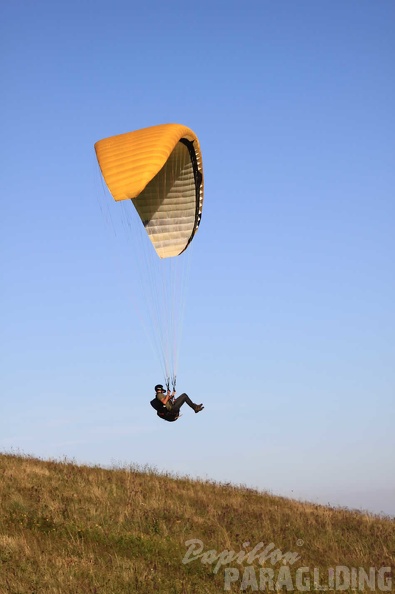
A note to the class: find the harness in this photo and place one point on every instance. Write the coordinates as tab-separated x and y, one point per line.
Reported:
162	411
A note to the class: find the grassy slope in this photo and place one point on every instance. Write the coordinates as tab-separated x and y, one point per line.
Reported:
70	529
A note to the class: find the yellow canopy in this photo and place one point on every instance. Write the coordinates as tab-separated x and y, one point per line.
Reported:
160	170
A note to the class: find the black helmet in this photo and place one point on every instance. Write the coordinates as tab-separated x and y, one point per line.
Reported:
159	388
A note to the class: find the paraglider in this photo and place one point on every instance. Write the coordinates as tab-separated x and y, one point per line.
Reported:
168	407
159	171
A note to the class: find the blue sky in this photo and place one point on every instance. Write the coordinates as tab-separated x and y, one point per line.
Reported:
288	336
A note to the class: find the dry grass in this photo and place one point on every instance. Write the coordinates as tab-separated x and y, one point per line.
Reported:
71	529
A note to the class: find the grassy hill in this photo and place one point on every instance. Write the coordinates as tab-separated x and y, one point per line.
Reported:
71	529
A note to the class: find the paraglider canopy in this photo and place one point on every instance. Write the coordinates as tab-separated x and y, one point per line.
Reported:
160	169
